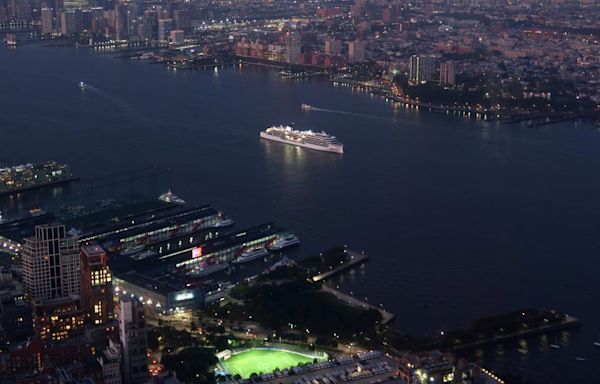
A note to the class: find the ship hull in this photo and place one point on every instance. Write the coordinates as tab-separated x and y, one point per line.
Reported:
38	186
337	149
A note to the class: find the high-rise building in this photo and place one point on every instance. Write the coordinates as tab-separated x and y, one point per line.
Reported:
110	361
50	261
333	46
121	22
165	26
47	16
183	19
421	68
132	333
448	73
293	47
96	285
70	21
57	319
176	36
356	51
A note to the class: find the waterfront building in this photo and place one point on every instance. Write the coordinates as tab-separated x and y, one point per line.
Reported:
132	333
448	73
293	47
50	261
165	26
421	68
333	46
356	51
96	285
47	18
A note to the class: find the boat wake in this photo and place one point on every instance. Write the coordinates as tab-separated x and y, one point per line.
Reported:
364	115
106	96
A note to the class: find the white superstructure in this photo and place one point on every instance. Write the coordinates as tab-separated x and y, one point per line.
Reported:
319	141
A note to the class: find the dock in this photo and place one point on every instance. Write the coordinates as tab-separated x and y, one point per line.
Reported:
355	259
569	323
387	317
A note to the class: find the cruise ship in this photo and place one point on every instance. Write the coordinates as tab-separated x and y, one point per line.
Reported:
284	241
208	269
31	176
251	254
307	139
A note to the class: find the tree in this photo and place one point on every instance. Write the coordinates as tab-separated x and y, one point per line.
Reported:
153	342
192	365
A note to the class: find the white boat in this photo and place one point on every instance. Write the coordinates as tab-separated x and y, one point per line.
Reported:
143	255
555	346
82	85
597	343
319	141
223	222
132	250
208	269
580	358
170	197
284	241
251	254
306	107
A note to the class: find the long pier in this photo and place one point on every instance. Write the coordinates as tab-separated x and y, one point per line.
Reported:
355	259
387	317
569	323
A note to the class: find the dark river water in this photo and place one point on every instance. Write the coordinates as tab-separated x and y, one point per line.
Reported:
461	218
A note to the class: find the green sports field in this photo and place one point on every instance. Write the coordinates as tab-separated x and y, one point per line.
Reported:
262	361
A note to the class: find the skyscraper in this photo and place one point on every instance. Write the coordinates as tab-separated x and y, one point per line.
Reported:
356	51
50	262
47	16
183	19
70	21
333	46
448	73
421	68
165	26
293	47
121	24
96	285
132	333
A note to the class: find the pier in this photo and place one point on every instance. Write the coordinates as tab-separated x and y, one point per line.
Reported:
387	317
355	259
569	323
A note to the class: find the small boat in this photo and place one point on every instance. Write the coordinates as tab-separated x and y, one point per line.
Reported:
597	343
132	250
82	85
223	222
306	107
74	232
170	197
578	358
284	241
251	254
143	255
555	346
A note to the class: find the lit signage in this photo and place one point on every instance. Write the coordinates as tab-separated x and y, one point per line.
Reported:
196	252
184	296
